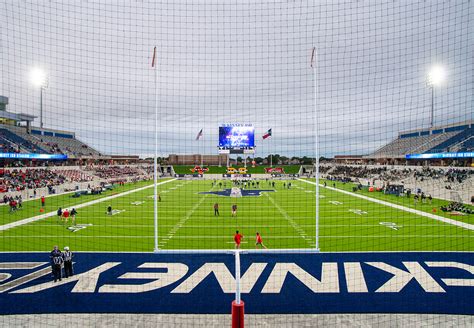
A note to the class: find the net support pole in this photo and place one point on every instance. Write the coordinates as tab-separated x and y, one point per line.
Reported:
41	107
202	162
432	107
237	304
316	143
155	157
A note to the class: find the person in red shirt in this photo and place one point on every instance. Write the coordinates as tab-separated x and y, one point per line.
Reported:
66	215
42	201
238	239
258	241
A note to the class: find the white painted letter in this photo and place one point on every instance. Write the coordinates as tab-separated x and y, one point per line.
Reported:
355	278
329	278
401	278
175	272
225	279
86	282
457	265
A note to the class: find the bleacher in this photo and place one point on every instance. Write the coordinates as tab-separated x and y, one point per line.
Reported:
451	138
465	146
45	142
75	175
458	139
23	144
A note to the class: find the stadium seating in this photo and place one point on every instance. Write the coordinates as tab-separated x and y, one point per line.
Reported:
6	146
402	146
440	182
75	175
465	146
17	180
71	147
22	143
449	139
458	139
116	172
37	143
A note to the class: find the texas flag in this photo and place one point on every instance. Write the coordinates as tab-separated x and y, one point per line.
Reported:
199	135
268	134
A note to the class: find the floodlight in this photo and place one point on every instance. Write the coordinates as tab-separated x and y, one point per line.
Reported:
436	75
38	77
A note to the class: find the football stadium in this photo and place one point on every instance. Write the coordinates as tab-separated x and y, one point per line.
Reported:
203	163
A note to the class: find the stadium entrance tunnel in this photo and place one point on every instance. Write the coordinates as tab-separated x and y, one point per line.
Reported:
273	283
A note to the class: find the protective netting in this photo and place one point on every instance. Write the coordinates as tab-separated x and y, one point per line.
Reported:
279	129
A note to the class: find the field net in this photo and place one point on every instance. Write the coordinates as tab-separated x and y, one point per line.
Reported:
275	129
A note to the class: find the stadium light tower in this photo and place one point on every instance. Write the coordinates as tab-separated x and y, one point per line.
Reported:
39	78
436	77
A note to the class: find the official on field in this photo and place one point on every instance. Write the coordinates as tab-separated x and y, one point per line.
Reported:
57	263
54	252
67	257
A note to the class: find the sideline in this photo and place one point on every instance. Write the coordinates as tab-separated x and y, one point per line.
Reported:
100	200
399	207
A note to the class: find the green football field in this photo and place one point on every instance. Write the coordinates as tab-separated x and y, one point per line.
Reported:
284	217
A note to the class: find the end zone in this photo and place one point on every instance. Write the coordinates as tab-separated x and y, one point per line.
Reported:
271	283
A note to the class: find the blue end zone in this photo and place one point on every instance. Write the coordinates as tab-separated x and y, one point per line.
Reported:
276	283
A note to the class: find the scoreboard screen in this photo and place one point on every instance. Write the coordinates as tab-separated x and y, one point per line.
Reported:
236	136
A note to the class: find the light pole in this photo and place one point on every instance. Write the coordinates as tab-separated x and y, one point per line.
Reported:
435	77
40	79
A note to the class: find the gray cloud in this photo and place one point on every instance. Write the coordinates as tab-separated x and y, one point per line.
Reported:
238	62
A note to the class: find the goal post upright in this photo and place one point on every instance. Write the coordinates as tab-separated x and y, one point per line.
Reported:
155	155
316	142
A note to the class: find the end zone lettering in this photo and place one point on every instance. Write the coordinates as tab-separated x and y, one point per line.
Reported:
329	283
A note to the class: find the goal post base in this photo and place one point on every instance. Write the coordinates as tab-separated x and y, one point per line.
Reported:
237	314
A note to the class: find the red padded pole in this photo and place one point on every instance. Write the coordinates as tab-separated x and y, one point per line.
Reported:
237	314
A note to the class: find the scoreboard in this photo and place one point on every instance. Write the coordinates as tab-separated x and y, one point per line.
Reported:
235	138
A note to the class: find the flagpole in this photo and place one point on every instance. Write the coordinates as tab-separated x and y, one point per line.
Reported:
155	157
316	141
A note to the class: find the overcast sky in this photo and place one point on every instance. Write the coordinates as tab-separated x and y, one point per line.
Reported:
238	62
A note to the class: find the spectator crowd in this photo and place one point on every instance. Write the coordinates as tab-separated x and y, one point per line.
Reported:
17	179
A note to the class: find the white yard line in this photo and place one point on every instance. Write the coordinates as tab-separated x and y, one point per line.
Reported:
400	207
100	200
177	226
115	226
292	222
267	237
